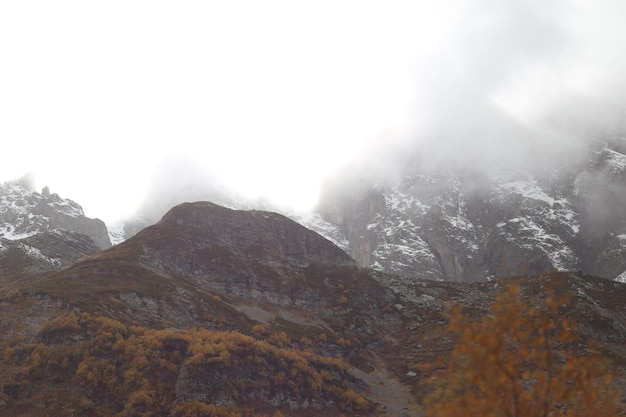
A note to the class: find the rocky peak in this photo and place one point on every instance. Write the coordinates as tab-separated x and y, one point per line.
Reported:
25	213
255	257
261	235
464	225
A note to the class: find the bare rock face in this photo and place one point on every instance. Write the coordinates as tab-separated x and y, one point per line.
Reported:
255	257
600	192
247	254
44	252
259	235
26	213
475	224
64	246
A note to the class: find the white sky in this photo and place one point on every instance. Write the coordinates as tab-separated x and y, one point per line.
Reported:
273	96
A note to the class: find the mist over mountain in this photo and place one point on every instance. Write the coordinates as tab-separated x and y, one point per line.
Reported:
179	179
512	162
460	221
455	149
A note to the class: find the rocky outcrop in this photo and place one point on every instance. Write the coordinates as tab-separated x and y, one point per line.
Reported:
63	246
252	254
260	236
600	192
26	213
24	259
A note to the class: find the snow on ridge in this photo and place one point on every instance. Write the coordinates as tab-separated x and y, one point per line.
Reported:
24	213
68	207
8	231
416	249
621	277
116	233
528	189
532	235
315	222
615	160
398	200
564	214
36	253
548	227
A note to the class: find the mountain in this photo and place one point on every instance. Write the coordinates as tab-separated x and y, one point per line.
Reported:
42	232
215	311
206	266
458	222
450	211
24	213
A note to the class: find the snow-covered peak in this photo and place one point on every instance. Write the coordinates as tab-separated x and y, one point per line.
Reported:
25	213
473	224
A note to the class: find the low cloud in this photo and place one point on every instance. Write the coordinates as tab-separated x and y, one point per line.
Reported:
178	179
515	85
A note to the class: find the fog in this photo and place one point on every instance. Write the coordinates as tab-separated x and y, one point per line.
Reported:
515	85
117	105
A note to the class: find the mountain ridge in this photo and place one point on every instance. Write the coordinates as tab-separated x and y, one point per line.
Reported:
204	270
24	213
558	209
464	225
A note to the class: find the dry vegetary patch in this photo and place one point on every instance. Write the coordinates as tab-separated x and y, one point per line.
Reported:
100	366
525	359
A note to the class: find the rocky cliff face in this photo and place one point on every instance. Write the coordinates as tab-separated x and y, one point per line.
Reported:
468	225
24	259
600	192
250	254
26	213
259	235
258	256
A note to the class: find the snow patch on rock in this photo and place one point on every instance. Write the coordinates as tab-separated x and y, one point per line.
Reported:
324	228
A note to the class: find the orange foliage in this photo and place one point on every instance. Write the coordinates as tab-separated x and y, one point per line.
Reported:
279	339
126	371
522	361
67	323
344	343
200	409
343	300
259	331
353	401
